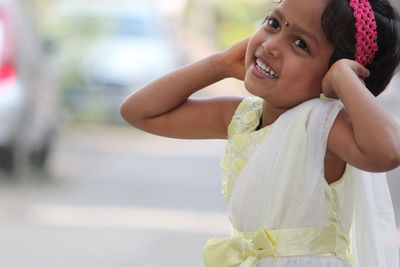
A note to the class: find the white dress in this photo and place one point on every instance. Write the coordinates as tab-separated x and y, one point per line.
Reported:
296	204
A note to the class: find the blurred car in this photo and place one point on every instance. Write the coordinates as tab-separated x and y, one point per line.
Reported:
133	52
133	49
27	90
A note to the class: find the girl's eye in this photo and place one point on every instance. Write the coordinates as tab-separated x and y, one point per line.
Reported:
302	45
273	23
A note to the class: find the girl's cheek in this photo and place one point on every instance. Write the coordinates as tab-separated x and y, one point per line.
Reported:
251	49
247	60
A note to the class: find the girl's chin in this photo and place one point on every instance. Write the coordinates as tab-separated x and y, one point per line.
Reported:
255	88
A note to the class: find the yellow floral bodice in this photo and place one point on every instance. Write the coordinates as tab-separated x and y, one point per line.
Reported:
243	140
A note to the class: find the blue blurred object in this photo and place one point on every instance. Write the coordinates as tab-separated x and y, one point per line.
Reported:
27	90
132	53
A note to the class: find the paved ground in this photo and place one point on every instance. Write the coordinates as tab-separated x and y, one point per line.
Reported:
115	197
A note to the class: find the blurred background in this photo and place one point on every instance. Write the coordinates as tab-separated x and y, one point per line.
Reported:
79	187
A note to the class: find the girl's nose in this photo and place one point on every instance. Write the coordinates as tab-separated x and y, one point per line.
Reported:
272	46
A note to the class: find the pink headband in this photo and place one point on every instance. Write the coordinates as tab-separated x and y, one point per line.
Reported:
366	35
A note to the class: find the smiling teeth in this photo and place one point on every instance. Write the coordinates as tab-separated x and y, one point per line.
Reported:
266	70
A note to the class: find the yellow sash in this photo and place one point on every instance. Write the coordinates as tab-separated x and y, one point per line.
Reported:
244	249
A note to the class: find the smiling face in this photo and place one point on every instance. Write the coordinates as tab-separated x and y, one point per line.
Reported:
287	58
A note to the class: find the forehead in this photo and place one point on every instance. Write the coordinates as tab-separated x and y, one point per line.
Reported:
305	13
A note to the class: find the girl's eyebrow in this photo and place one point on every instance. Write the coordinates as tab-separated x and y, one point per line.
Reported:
295	27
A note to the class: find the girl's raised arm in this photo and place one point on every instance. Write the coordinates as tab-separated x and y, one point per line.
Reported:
364	133
162	107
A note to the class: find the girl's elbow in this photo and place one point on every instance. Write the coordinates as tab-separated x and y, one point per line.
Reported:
390	162
133	115
381	163
123	111
395	160
395	156
127	113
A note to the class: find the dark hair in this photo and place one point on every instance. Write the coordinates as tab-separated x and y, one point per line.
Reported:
338	24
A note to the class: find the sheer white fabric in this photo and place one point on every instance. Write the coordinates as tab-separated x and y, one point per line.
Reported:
282	186
304	261
374	228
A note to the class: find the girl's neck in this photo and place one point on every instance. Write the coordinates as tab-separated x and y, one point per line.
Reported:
271	114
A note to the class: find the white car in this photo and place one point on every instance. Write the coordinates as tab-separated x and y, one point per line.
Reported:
133	53
27	90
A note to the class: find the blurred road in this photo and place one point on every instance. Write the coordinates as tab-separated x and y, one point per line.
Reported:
118	198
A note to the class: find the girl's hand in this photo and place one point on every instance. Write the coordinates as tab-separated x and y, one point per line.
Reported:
233	59
340	72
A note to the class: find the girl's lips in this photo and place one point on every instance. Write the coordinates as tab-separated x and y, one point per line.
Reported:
259	74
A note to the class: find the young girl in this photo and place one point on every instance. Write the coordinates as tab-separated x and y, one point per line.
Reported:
302	172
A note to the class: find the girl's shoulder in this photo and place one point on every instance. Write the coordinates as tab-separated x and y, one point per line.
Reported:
247	116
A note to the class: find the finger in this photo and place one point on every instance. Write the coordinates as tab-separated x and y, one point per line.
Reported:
364	72
244	43
361	71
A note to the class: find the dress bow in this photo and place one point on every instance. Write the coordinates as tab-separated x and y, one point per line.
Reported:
242	251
